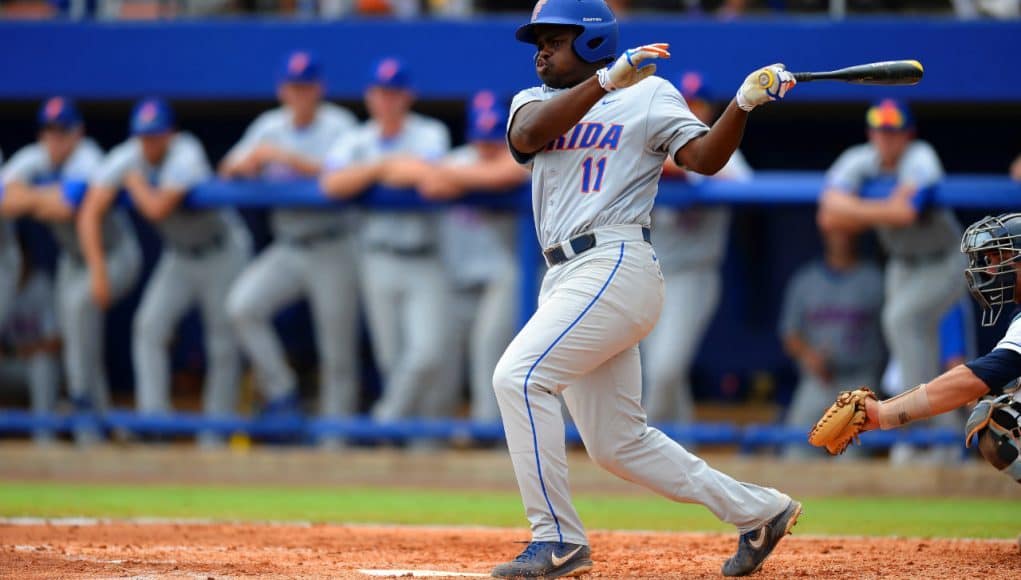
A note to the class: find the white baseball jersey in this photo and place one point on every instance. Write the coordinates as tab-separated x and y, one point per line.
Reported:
1012	341
6	233
605	171
184	166
313	141
697	236
32	165
420	136
936	229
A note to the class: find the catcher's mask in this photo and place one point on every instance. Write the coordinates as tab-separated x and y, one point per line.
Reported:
993	245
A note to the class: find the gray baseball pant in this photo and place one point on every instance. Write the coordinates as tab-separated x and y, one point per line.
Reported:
583	341
917	297
10	274
688	305
81	321
324	272
407	304
179	282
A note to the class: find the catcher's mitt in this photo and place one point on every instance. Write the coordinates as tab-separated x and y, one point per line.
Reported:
842	422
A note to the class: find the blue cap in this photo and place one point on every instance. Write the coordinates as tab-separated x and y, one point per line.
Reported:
390	73
151	116
486	118
301	66
693	87
59	112
889	115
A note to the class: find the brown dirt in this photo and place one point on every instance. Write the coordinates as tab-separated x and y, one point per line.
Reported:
167	550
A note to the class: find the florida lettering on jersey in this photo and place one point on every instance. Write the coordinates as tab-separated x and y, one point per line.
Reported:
605	170
588	135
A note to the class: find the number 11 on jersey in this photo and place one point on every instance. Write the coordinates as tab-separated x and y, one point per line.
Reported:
587	185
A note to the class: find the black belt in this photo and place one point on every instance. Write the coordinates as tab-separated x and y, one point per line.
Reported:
414	252
215	244
920	259
306	240
580	244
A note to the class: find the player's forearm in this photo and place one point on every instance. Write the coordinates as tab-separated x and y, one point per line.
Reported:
155	204
51	206
302	165
495	176
90	231
884	212
954	389
350	181
536	124
710	152
16	200
951	390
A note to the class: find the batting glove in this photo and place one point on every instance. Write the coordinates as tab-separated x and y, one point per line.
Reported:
628	69
769	83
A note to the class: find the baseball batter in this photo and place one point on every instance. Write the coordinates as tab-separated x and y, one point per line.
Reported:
313	251
406	294
691	244
32	180
993	274
922	279
596	138
203	251
478	251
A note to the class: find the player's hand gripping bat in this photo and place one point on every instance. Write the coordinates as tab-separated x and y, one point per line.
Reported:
891	72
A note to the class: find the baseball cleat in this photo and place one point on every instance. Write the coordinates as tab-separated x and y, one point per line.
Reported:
547	560
755	546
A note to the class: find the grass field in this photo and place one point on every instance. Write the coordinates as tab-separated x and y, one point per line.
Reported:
946	517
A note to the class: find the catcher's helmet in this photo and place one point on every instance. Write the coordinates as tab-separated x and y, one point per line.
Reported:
993	245
597	41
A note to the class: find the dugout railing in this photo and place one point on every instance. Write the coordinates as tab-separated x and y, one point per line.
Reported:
769	188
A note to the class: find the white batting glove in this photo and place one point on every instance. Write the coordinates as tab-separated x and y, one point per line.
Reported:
767	84
628	69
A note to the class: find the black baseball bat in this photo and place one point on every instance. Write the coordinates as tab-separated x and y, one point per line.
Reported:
891	72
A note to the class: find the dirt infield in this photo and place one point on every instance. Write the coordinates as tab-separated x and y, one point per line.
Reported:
186	550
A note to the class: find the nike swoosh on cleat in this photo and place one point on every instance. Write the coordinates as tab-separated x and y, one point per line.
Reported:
757	543
558	561
606	102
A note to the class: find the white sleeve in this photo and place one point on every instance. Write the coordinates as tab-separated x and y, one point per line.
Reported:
670	124
437	144
84	162
849	170
186	167
920	166
115	166
520	100
26	162
1011	340
253	137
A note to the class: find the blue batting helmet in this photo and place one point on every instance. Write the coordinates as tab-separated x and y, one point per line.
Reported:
597	40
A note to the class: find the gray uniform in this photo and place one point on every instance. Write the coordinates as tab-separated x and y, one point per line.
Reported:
80	321
405	290
602	177
837	314
31	320
690	245
312	255
923	275
480	261
203	251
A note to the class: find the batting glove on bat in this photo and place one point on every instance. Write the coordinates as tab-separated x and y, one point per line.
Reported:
767	84
628	69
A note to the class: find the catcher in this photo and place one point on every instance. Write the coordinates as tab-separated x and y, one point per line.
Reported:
993	248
